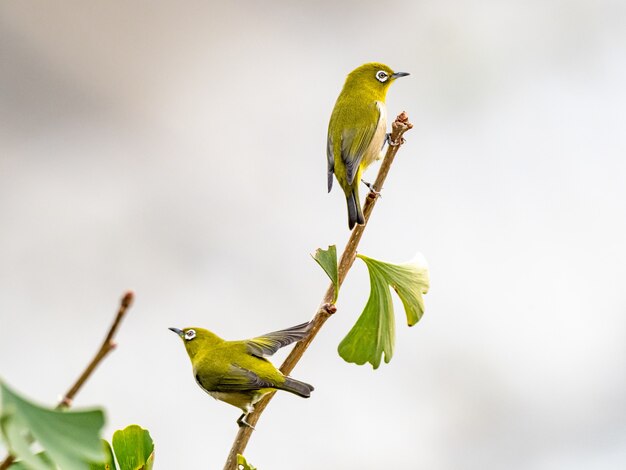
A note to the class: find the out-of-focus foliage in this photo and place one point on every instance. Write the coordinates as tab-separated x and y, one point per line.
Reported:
69	439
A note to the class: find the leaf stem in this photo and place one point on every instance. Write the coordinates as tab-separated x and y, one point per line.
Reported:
105	348
326	309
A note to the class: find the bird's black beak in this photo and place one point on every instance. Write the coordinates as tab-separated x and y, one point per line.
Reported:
399	74
180	333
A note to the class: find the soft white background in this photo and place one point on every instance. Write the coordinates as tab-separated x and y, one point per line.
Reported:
178	149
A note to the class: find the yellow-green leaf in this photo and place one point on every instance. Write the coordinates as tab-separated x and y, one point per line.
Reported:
134	449
109	463
327	259
373	335
242	464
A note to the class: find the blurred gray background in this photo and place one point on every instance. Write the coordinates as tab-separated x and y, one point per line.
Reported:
178	149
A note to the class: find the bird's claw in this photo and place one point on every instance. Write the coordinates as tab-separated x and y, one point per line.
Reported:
385	141
394	143
243	423
373	193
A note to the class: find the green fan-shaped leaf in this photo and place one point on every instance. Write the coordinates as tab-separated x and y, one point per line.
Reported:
374	332
134	449
70	439
327	259
109	463
410	281
242	463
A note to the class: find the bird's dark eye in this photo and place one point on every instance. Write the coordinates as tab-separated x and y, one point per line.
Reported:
382	76
190	334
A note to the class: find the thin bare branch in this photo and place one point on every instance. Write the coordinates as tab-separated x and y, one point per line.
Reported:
399	127
105	348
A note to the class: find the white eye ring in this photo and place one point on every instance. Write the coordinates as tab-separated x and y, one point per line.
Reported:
190	334
382	76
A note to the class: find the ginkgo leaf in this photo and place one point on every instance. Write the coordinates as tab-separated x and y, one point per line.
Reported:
70	439
109	463
134	449
373	335
410	280
327	259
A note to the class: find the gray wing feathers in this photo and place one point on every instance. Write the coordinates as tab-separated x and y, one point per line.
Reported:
331	161
354	144
269	343
238	379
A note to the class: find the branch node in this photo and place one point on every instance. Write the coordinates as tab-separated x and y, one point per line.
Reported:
329	308
374	194
400	125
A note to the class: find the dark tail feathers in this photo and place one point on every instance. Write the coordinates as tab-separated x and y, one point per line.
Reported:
355	215
299	388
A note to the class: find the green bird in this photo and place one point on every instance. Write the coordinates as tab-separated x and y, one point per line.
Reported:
357	130
237	372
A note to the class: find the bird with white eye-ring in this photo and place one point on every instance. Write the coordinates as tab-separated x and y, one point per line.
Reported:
237	372
357	131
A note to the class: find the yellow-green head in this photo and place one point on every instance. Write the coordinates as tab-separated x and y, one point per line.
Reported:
372	78
197	339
